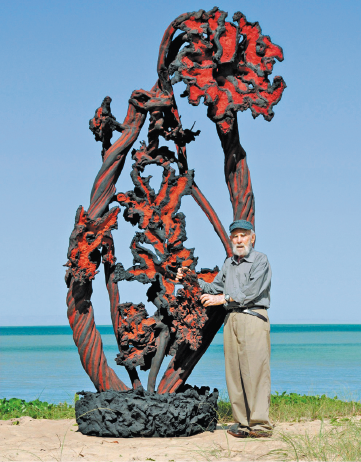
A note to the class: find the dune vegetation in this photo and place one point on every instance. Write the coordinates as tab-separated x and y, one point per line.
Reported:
339	437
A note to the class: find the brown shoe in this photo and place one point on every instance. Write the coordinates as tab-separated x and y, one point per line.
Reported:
238	433
260	434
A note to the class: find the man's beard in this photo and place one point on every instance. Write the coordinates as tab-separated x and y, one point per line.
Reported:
242	252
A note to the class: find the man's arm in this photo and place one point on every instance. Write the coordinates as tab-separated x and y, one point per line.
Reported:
210	289
259	281
217	285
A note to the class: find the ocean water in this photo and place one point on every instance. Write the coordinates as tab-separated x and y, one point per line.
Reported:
43	362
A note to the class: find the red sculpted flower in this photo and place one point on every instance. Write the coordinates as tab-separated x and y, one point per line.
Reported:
228	65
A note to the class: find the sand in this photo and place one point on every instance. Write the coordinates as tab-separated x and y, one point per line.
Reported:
27	439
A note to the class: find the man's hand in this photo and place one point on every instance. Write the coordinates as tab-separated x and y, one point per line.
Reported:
181	272
212	300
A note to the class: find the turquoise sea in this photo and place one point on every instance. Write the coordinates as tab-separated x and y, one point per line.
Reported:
42	362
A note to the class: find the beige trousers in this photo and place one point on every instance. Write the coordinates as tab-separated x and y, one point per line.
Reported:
247	359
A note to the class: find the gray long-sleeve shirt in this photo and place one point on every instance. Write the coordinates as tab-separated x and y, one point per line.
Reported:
248	281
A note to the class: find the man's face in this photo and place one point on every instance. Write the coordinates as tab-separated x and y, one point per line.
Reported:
242	241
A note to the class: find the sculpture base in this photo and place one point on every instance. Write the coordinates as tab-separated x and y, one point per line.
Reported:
136	413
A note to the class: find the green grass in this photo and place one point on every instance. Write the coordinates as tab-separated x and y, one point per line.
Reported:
293	407
284	408
15	408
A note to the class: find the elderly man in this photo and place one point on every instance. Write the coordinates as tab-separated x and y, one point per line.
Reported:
243	287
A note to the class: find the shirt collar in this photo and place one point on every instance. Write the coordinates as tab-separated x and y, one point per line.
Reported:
249	258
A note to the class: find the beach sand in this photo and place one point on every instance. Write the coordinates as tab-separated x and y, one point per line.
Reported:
27	439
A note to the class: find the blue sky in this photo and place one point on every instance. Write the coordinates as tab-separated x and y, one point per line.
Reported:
60	58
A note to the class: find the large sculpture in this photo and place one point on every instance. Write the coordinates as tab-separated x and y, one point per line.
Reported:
227	64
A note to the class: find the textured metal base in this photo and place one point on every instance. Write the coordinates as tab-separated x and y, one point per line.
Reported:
137	413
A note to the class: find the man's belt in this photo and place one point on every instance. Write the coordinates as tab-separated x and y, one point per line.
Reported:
249	310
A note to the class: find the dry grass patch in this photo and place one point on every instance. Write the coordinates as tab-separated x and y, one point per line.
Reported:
336	444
